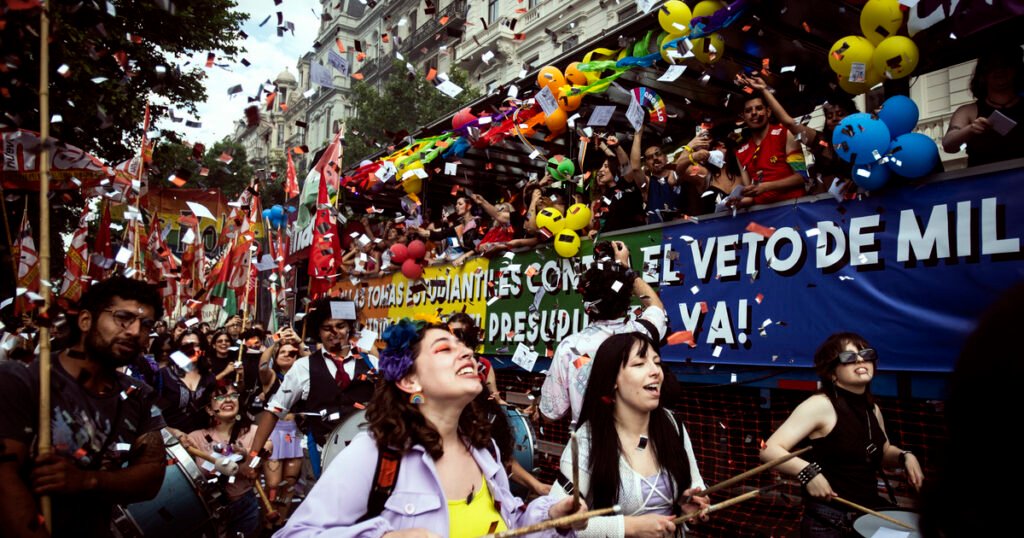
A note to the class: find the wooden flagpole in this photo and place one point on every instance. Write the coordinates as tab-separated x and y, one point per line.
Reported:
45	441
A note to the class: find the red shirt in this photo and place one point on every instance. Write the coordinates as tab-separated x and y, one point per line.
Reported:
767	162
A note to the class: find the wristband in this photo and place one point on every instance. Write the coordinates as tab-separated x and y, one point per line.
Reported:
688	149
808	473
903	457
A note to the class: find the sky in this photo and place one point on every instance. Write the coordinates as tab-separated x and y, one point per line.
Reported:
268	55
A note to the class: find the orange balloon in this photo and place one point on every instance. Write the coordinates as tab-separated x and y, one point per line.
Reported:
555	121
567	100
549	75
574	76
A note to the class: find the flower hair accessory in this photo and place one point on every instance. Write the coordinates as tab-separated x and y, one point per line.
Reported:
397	356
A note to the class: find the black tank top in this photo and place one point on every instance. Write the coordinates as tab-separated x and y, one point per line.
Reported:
851	454
990	146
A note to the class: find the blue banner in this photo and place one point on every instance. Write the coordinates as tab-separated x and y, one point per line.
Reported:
911	270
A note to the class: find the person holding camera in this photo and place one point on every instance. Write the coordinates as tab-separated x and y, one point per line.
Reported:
606	289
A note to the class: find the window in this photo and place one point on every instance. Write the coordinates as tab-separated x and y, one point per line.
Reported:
282	97
412	22
532	4
570	43
492	11
280	136
626	13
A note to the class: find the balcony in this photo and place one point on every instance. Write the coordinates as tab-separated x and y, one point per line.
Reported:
422	36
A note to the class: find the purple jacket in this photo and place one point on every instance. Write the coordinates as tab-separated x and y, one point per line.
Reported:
339	498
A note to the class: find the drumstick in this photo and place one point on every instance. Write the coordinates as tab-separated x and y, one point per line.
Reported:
574	446
223	465
747	474
272	514
564	521
867	510
716	507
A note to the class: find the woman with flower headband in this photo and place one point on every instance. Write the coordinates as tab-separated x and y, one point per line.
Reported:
449	479
846	429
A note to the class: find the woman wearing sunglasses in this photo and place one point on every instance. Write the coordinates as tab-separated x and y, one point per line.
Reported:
845	428
283	468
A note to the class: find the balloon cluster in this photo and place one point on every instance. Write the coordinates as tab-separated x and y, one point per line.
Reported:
881	145
675	19
861	62
563	229
410	257
277	216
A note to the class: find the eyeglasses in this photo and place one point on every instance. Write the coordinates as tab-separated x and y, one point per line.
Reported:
221	398
222	341
125	319
291	354
653	154
334	328
849	357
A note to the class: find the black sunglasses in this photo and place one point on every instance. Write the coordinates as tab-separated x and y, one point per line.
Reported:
849	357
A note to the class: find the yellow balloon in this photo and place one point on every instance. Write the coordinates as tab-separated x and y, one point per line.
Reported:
709	49
577	216
880	19
871	79
567	243
896	57
707	7
674	17
551	220
574	76
847	51
412	183
668	38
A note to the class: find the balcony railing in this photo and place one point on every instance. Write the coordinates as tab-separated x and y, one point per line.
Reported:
456	13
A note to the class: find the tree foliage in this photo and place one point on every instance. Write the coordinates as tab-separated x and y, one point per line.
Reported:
173	157
106	63
405	102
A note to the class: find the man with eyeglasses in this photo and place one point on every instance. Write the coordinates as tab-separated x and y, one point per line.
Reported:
771	155
667	197
107	446
325	387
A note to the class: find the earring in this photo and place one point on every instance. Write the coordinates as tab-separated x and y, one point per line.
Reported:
416	398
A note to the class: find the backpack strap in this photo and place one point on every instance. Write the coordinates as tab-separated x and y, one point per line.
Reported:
389	461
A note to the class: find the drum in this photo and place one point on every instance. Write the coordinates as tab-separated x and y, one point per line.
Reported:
178	510
869	525
522	437
342	435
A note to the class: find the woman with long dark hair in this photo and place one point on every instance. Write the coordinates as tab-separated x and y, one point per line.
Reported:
845	428
632	451
184	388
423	416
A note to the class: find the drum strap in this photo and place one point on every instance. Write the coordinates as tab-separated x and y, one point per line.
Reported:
384	479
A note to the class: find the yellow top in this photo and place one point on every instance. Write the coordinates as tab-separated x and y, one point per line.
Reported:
475	518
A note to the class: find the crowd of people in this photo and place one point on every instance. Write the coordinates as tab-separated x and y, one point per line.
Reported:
261	412
435	455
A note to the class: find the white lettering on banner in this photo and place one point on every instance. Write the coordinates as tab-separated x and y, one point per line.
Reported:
796	253
860	240
923	242
990	242
829	232
550	326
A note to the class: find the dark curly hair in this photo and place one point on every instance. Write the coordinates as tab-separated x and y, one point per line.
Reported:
601	299
397	423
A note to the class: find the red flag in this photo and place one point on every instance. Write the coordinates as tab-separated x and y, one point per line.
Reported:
28	264
291	186
76	263
325	252
103	252
15	5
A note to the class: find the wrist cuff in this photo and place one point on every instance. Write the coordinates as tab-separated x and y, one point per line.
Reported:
808	473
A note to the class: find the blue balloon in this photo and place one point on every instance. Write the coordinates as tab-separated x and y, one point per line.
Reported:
900	114
913	155
870	176
276	212
859	138
266	214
